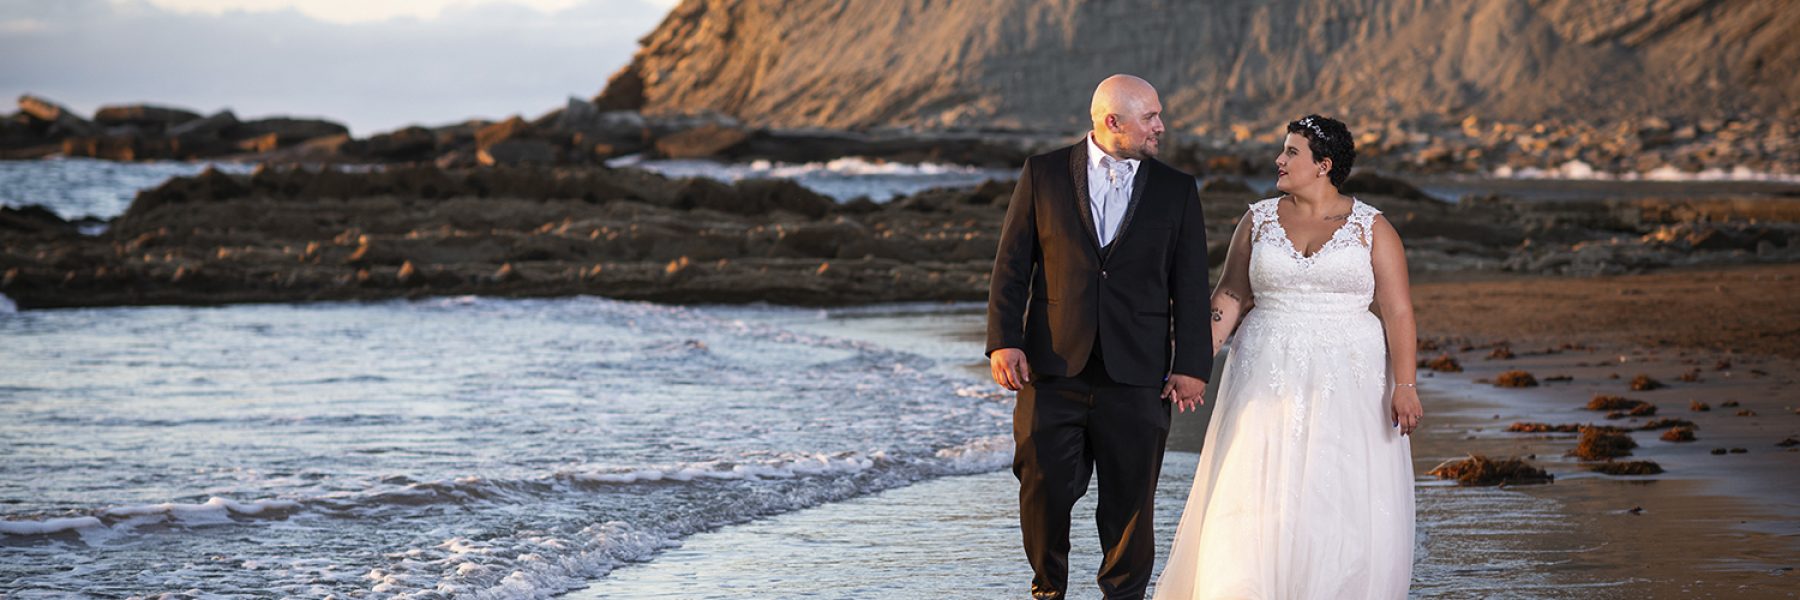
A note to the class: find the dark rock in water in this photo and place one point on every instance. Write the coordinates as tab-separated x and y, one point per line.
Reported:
151	117
1597	444
1366	182
577	115
513	128
707	193
267	142
412	144
702	142
1444	363
1678	434
210	185
457	159
615	126
1515	379
860	205
59	121
519	152
211	127
596	135
1611	402
1478	470
119	147
623	91
1663	423
1635	467
290	130
1645	383
1522	427
822	240
33	219
758	196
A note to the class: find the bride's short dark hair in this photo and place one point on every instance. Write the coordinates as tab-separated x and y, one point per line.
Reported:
1328	138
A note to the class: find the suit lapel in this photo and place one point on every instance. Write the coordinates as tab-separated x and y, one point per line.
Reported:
1078	171
1138	185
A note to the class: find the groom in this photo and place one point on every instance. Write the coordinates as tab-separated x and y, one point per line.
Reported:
1097	317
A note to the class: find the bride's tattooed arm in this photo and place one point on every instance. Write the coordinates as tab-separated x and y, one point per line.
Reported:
1232	298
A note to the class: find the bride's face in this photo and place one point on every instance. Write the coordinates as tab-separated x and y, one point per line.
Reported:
1295	168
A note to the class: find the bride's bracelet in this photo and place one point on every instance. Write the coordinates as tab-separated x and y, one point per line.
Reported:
1410	385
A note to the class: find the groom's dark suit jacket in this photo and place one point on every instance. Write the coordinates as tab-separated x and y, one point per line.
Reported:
1144	298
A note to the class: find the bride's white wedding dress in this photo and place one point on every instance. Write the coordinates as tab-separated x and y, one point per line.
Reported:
1304	488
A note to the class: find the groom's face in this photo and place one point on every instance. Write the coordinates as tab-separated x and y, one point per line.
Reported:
1140	128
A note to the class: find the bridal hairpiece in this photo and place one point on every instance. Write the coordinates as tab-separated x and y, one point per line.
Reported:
1313	125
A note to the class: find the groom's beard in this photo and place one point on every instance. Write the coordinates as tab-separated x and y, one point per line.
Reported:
1147	149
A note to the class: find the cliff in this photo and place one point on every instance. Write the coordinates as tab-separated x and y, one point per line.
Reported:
1031	64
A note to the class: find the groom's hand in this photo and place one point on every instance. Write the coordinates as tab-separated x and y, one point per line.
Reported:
1187	392
1009	368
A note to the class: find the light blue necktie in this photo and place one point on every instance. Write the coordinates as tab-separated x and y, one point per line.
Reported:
1118	172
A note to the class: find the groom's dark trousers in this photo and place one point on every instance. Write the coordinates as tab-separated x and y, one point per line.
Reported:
1101	328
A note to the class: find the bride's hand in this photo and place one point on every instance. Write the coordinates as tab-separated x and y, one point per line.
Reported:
1406	409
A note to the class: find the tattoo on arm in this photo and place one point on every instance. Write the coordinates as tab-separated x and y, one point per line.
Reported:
1217	316
1232	294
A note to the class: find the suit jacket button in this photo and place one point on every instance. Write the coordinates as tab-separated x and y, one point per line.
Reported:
1103	274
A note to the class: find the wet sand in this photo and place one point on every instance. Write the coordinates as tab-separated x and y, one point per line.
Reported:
1710	526
1740	310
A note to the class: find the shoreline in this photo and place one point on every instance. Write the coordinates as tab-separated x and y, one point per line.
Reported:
1710	527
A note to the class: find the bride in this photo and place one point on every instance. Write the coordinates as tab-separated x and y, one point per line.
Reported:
1304	488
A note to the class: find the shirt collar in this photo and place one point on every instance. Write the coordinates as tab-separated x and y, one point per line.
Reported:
1095	153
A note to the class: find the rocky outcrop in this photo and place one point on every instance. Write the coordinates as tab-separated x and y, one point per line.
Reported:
143	116
1031	65
294	234
148	132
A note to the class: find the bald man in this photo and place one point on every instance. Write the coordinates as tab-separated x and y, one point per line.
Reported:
1097	317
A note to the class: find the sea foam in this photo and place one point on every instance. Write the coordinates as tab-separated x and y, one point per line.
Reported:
48	526
1582	171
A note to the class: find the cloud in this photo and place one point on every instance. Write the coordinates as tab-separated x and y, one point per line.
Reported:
350	11
471	59
19	26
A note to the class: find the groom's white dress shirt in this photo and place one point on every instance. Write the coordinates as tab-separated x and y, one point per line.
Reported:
1109	189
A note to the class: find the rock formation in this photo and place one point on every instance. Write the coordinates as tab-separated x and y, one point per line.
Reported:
1031	64
296	234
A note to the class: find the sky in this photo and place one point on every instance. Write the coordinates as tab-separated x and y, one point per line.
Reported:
373	65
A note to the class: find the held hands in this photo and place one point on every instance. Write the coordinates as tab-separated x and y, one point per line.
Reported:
1187	392
1407	410
1009	368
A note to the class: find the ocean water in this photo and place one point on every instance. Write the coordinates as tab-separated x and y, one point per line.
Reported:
453	447
842	179
85	187
508	448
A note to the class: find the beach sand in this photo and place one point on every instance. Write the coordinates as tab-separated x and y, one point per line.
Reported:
1711	526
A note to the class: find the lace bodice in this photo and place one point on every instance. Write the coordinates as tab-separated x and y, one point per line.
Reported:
1337	278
